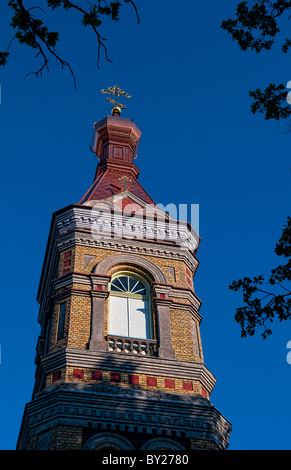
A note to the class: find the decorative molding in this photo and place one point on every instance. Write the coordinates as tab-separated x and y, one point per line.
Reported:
146	247
164	289
107	439
116	409
71	278
115	225
130	363
69	291
87	259
99	280
94	279
180	292
106	263
162	443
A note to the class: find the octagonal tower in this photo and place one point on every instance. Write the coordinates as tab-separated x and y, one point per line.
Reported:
119	358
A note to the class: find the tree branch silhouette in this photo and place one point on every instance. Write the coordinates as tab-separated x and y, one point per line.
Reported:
261	310
257	28
32	32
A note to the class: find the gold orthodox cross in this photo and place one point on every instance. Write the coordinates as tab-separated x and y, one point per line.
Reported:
124	179
116	92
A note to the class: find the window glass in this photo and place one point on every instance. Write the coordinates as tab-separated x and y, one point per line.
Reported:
118	324
138	318
61	324
129	312
128	284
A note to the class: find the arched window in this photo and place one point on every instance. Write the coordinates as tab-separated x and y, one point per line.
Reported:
129	307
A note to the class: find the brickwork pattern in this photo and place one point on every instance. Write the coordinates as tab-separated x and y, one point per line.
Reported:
200	444
78	316
181	274
182	336
66	438
126	380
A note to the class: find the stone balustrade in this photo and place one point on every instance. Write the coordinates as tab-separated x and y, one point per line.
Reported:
141	347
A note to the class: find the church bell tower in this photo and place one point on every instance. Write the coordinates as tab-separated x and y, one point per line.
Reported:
119	361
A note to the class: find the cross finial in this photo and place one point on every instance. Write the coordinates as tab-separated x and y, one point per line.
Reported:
116	91
124	179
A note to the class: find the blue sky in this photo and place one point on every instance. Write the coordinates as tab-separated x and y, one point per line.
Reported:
200	144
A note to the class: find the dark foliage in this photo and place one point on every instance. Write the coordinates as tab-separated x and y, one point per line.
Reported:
257	28
268	300
32	32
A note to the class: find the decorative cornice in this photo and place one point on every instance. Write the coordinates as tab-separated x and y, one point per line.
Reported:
136	410
115	225
188	294
128	363
164	289
146	247
70	291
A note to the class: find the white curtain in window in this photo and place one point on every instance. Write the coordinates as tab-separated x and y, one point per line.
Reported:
138	318
118	318
129	317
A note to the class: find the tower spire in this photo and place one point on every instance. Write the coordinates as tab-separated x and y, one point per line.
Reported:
115	143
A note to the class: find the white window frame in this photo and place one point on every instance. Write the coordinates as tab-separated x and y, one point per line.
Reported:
128	296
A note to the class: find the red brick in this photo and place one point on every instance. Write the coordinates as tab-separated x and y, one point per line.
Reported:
169	383
78	374
187	386
56	376
114	377
152	381
96	375
133	379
